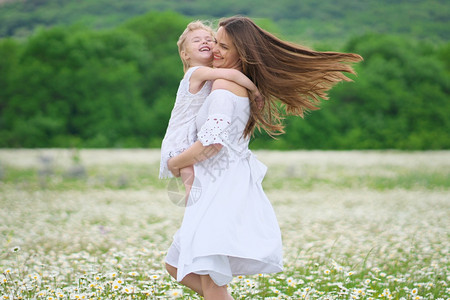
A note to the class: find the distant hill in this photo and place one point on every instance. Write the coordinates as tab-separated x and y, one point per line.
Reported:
5	1
332	21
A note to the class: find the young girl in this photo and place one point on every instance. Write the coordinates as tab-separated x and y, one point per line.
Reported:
195	49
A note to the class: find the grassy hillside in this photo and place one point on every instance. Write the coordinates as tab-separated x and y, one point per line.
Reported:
305	20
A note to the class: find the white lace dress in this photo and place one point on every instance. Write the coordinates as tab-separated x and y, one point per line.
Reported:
182	132
229	226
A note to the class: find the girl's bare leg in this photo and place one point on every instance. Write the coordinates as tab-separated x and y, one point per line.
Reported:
212	291
192	280
187	176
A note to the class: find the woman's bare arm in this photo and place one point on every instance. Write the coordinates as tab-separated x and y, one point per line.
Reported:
194	154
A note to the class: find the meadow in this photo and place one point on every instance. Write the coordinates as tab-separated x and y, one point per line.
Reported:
95	224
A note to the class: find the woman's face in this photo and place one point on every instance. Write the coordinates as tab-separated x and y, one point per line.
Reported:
224	52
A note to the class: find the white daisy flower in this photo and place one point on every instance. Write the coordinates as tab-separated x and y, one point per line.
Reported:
176	293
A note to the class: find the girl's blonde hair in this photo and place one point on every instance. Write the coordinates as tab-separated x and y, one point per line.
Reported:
195	25
284	72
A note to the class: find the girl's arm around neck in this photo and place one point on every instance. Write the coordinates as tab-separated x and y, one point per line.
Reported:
205	73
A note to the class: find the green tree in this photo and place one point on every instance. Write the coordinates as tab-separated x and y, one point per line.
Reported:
77	84
160	80
399	100
72	86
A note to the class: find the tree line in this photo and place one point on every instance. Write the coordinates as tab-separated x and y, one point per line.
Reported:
305	21
73	86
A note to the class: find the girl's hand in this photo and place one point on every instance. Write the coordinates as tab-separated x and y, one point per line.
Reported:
259	99
175	171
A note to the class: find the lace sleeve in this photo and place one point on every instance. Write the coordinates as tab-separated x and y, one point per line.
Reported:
216	128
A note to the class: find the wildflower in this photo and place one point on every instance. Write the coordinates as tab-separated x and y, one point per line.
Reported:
15	249
350	273
327	272
176	293
133	273
281	276
35	276
155	276
290	280
414	291
128	289
249	282
148	292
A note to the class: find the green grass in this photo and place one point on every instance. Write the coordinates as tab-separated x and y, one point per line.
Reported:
125	176
338	177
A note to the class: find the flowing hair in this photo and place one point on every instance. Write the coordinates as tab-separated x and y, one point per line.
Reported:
296	76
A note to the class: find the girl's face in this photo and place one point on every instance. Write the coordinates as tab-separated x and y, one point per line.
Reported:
198	48
225	53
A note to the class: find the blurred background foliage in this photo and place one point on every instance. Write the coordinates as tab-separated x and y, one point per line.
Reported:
104	73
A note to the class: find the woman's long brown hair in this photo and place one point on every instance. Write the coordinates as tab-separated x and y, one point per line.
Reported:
295	75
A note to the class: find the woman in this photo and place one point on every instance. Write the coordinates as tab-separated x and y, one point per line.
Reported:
231	228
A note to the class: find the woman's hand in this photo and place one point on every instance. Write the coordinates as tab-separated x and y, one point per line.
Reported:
175	171
194	154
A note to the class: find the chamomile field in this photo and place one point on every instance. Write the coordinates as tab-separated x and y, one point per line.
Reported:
95	224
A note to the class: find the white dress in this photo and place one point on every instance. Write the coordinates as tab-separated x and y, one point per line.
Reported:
182	132
229	226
